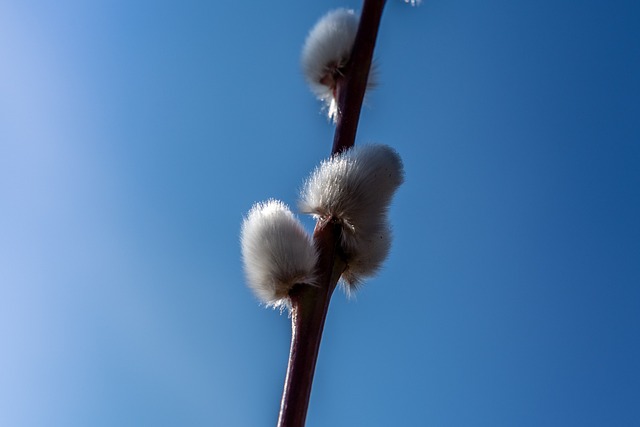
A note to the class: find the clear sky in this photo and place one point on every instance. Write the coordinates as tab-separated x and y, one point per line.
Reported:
134	136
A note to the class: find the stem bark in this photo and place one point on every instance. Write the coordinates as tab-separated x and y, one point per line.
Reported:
309	306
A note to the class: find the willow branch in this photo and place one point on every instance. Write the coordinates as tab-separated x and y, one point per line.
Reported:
309	304
352	86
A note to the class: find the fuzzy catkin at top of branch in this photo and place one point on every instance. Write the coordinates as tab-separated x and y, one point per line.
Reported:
326	53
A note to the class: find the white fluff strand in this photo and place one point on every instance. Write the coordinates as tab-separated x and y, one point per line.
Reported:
355	188
277	252
326	51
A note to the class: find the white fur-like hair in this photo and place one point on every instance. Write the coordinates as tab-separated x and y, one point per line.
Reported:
326	50
277	252
355	188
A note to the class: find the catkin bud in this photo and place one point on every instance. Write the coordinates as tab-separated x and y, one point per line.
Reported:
277	252
355	189
326	52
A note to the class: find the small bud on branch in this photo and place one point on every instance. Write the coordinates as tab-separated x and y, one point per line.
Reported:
277	252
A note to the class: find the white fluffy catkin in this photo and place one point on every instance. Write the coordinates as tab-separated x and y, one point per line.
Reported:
277	252
326	51
356	188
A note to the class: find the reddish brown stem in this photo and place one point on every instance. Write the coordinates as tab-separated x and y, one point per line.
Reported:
309	304
351	88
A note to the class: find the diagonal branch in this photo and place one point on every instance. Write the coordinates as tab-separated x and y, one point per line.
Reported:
309	304
351	88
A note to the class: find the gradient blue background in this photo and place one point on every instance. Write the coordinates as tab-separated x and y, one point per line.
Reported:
134	136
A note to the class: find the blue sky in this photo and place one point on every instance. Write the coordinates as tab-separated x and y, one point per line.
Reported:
134	136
